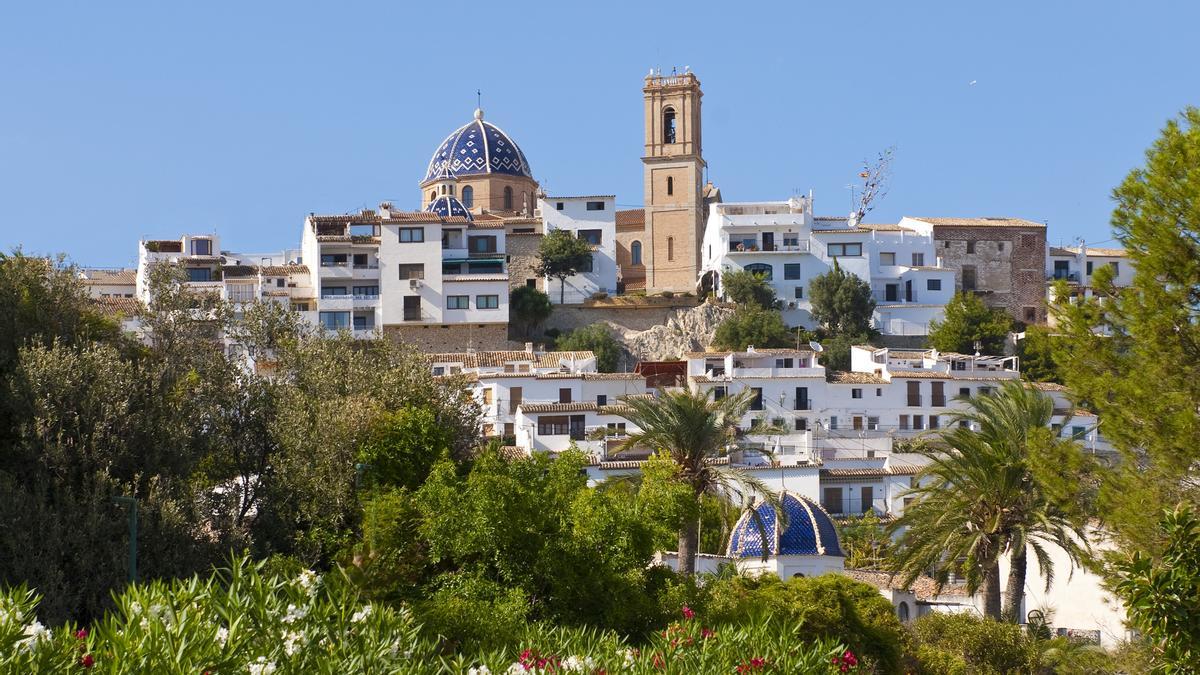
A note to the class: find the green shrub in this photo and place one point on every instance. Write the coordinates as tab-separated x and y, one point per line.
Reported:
831	606
470	613
948	644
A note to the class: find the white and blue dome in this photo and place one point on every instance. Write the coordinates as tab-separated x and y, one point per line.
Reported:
477	148
808	531
447	206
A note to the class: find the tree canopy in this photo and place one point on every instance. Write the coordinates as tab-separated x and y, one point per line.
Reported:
752	325
749	288
529	307
841	302
967	321
598	339
561	255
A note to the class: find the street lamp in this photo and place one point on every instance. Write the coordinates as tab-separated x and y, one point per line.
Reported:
131	502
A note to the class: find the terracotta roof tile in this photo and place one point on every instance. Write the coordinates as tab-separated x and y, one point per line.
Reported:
558	407
499	359
114	277
843	377
631	218
1047	386
981	222
923	587
283	270
117	306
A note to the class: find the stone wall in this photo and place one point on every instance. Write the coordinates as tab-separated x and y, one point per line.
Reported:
1009	263
456	338
632	317
522	251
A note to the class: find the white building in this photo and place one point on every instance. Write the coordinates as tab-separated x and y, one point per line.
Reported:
789	246
1075	265
592	218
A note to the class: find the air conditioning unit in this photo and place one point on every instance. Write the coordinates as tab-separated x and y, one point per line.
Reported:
414	283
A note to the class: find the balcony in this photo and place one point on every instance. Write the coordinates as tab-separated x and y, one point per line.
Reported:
336	270
367	271
365	300
336	302
1070	277
736	248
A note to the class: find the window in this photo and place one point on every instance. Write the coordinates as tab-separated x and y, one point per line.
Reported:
720	392
515	394
601	399
799	292
553	425
412	235
937	394
278	284
595	206
756	402
1116	268
904	422
801	424
934	423
891	292
360	260
590	236
468	196
1078	432
856	393
363	230
199	274
616	428
482	244
635	253
833	423
760	269
1030	314
887	259
334	320
914	393
873	423
868	498
1065	265
670	248
918	422
670	185
411	271
933	284
968	277
902	612
802	398
1000	246
970	247
585	267
508	202
964	392
458	302
365	291
333	260
791	270
668	127
487	302
363	322
844	250
879	391
531	283
333	291
831	499
432	195
202	247
564	395
558	206
918	260
785	363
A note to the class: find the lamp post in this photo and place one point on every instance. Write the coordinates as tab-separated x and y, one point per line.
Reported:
131	502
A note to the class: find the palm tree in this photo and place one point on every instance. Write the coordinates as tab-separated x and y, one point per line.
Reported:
692	429
980	499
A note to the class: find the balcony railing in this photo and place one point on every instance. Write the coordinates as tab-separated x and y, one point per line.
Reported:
368	266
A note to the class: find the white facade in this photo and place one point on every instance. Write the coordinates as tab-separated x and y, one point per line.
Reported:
785	242
592	218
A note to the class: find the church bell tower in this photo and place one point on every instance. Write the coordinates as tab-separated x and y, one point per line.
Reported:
673	167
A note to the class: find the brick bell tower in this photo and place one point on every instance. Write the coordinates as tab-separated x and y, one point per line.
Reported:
673	181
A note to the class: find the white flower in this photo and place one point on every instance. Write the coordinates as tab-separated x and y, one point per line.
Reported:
481	670
395	649
34	633
517	668
291	642
261	666
222	635
361	614
576	664
308	581
294	614
630	659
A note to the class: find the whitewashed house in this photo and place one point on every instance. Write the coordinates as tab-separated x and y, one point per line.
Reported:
593	219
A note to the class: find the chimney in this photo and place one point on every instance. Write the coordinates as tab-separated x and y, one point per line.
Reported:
529	347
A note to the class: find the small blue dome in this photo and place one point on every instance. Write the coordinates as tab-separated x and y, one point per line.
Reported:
809	531
477	147
449	206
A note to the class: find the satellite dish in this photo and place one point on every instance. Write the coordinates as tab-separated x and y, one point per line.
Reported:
816	347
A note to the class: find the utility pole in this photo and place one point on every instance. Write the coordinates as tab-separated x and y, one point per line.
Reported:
131	503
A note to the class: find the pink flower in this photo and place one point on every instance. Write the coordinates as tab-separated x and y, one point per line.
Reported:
707	633
81	634
87	661
849	658
688	613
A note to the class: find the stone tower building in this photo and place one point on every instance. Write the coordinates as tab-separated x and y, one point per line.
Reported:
674	182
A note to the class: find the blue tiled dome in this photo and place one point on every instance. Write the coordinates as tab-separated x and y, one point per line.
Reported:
809	531
449	206
477	148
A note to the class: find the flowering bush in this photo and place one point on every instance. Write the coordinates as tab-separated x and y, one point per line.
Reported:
242	620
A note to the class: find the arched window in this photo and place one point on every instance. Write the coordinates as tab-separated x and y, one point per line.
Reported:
452	190
902	611
670	185
670	248
468	198
668	125
761	269
432	196
507	198
635	253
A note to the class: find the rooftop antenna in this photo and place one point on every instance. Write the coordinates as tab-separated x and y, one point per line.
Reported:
478	98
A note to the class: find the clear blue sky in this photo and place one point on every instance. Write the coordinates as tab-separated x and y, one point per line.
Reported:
119	120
